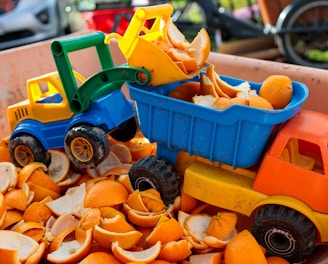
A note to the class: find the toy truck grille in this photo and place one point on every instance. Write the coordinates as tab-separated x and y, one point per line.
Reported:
236	136
21	113
16	114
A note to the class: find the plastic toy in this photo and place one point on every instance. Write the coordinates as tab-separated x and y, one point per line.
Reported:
65	110
137	41
265	164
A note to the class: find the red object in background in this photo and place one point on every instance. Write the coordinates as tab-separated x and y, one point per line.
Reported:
109	20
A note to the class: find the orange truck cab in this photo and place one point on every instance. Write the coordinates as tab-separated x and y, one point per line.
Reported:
290	182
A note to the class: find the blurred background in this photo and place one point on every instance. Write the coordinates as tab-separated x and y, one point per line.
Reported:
280	30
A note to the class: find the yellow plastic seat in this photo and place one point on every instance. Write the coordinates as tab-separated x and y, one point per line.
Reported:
285	155
297	158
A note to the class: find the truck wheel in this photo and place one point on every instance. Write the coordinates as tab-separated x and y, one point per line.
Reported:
284	232
25	149
152	172
125	131
86	146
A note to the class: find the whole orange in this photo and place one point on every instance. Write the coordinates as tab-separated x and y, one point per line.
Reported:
278	90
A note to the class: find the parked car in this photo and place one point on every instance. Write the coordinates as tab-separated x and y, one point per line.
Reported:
28	21
110	15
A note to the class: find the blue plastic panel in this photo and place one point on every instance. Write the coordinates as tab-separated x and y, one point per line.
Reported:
236	136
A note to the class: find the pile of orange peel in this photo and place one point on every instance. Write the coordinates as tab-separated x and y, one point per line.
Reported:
57	215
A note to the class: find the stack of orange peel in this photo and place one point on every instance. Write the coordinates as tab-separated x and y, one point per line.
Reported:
57	215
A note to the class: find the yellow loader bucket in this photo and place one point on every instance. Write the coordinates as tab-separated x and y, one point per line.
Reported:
138	49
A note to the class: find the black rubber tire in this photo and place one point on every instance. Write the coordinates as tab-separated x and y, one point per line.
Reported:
284	232
25	149
289	44
125	131
86	146
152	172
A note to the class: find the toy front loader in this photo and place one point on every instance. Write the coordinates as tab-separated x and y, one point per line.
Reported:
110	78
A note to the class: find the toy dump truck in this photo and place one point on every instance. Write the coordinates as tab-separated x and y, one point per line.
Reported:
269	165
66	110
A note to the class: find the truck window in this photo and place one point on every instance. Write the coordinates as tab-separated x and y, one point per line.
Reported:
304	154
46	93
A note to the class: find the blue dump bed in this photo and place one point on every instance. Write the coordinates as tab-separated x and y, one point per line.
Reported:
236	136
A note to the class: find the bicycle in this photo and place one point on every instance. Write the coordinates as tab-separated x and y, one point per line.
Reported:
300	32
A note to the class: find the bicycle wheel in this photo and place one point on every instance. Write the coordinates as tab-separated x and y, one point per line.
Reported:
307	42
189	17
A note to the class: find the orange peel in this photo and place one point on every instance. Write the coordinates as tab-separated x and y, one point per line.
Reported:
105	193
8	173
71	202
146	255
59	165
72	250
166	230
197	225
27	170
175	251
13	241
125	240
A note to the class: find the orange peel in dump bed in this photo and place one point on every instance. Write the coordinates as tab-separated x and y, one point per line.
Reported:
186	91
255	100
215	92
